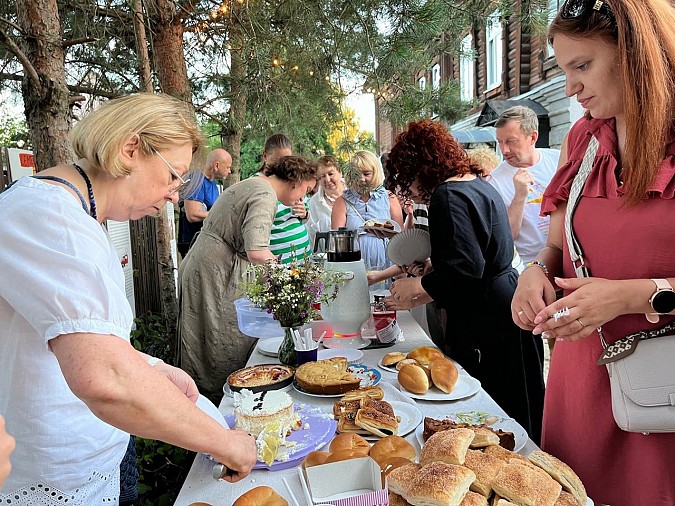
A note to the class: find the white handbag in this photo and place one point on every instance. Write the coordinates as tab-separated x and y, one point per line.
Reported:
642	378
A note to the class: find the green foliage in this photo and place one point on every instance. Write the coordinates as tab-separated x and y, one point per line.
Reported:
13	131
162	468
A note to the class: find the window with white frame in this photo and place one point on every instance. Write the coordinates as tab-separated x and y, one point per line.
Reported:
552	10
436	76
493	50
466	69
422	83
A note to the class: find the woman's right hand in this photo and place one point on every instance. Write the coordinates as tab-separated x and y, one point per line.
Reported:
240	457
533	293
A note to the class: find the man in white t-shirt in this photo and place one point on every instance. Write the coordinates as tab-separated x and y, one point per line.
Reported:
522	178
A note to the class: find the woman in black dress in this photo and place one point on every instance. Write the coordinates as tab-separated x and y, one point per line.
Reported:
472	277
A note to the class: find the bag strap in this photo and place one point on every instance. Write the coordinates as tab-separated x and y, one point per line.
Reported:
626	346
576	253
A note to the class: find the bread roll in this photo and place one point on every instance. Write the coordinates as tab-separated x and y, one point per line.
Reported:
425	354
392	358
392	446
388	465
444	374
561	472
260	496
315	458
406	361
349	441
344	455
439	484
413	379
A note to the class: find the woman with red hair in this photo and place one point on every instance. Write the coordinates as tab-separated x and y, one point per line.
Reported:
472	277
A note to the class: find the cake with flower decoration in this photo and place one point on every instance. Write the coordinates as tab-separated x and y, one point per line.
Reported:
254	412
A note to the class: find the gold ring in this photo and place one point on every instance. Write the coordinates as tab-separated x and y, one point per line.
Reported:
520	312
582	323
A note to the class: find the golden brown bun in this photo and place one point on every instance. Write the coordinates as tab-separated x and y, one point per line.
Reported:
345	455
425	354
388	465
414	379
444	374
439	483
260	496
397	500
525	484
349	441
406	361
474	499
315	458
392	358
561	472
448	446
392	446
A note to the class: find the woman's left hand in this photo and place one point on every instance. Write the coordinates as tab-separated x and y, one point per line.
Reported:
406	293
181	379
592	303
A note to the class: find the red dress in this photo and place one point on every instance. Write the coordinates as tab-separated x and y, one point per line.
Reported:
618	468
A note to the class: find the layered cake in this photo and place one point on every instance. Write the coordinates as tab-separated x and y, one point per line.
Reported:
254	412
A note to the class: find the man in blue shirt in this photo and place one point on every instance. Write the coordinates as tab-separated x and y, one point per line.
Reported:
195	205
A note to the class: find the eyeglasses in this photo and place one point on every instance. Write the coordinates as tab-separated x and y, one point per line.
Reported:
574	9
175	174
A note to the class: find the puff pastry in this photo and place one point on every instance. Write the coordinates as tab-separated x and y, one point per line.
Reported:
448	446
439	484
376	422
526	485
561	472
486	467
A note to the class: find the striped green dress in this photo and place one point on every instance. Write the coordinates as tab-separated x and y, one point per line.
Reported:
289	239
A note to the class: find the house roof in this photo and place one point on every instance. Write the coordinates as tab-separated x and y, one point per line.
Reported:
493	108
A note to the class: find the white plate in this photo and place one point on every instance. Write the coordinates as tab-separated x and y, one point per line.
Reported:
350	354
506	424
369	378
409	246
466	387
411	417
270	347
388	368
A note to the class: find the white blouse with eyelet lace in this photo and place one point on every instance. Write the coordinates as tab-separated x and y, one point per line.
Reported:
65	278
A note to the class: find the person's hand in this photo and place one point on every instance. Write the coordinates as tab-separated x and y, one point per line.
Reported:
414	269
382	234
7	444
533	293
299	210
406	293
592	303
522	180
408	207
181	379
374	277
240	457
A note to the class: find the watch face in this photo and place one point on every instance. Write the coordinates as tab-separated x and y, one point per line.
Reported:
664	302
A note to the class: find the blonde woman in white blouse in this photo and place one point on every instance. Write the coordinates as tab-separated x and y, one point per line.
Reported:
331	186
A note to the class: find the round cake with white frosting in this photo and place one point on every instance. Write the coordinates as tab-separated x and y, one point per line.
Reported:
254	412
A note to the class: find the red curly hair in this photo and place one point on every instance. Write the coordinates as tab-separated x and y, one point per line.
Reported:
426	152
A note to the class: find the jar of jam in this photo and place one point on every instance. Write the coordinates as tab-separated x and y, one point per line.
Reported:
386	328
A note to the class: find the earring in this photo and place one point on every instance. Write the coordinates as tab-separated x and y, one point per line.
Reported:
128	176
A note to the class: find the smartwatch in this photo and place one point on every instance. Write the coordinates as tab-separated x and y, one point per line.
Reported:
662	300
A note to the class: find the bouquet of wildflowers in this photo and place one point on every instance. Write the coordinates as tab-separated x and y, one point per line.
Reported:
288	291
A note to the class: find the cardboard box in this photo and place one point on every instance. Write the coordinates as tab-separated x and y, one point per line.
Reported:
359	483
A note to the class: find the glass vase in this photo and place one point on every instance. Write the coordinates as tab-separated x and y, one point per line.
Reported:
287	349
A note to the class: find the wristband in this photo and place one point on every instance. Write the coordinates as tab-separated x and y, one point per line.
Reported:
153	361
541	265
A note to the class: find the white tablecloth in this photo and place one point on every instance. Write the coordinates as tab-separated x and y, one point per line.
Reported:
200	485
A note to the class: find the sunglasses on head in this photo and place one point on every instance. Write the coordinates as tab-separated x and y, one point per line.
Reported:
575	9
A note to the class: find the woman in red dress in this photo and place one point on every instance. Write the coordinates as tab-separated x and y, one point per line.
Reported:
619	60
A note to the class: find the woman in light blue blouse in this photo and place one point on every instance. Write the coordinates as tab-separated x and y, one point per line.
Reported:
367	199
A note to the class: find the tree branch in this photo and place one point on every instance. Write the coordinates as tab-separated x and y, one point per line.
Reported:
10	77
23	59
93	91
74	42
12	24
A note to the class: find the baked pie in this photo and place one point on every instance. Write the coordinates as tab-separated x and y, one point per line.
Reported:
327	377
260	378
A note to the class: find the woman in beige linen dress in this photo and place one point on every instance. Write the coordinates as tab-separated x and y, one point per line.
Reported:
235	234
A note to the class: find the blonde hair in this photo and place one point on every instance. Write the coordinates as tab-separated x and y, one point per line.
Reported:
485	157
159	121
365	160
642	31
527	118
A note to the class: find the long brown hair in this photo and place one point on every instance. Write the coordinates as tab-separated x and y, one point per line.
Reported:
642	30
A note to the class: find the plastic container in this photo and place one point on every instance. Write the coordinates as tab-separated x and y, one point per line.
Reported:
254	322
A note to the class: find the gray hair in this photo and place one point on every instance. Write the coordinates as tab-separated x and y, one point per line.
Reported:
527	117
